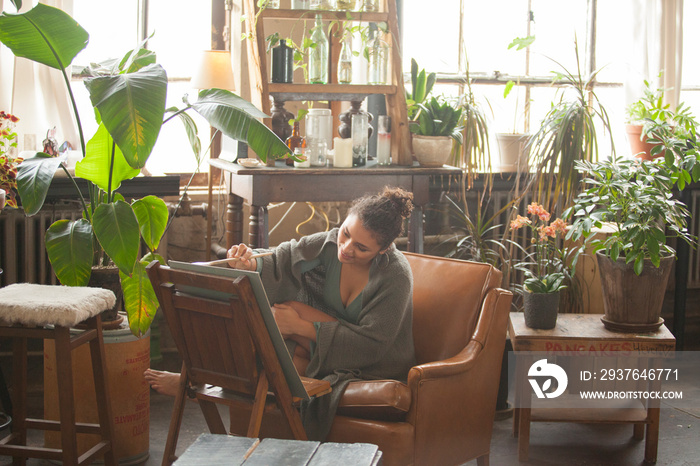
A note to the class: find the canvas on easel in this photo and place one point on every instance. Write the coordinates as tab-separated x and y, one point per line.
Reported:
224	331
295	384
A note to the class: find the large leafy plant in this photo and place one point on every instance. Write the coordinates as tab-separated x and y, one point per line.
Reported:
128	97
636	198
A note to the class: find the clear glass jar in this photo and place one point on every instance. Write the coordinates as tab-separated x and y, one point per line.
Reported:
345	61
319	122
346	4
384	140
300	5
360	136
323	4
370	5
378	59
275	4
318	54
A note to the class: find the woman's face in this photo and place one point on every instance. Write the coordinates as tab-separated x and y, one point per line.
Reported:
356	244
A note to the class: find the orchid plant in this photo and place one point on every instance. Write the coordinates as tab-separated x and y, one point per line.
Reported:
548	267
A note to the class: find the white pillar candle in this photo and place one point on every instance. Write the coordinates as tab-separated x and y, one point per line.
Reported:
343	153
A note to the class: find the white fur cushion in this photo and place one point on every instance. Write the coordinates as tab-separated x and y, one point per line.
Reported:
39	305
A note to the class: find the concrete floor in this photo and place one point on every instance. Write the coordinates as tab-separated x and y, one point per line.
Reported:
550	443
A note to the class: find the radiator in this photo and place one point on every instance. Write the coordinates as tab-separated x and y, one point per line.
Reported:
23	255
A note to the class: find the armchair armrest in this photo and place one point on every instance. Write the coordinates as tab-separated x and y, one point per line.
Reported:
453	401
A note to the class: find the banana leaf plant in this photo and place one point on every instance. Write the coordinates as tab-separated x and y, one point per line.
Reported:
128	97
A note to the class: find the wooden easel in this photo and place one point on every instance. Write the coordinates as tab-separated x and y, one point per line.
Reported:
226	349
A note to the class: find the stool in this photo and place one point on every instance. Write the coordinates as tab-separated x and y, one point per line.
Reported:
48	312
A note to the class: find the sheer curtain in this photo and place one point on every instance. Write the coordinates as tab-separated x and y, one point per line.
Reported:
657	48
36	93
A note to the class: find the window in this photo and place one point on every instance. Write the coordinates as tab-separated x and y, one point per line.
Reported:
486	30
179	33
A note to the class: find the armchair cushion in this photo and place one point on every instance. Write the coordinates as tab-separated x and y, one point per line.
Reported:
387	400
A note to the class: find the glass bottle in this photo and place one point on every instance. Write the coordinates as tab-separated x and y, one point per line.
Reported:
318	55
377	67
345	61
282	63
300	4
294	142
275	4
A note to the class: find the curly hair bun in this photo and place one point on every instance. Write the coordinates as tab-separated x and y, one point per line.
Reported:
401	199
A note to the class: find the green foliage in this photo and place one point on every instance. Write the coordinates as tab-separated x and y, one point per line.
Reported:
437	117
651	111
568	133
635	198
128	96
421	85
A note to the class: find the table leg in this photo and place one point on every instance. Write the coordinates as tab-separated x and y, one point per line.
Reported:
258	237
234	220
415	230
651	446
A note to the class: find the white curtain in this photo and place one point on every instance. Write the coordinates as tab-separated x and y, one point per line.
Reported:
657	48
36	94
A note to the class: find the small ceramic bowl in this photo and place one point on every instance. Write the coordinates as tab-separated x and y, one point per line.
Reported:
249	163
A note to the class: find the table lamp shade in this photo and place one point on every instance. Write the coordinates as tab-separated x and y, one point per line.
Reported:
214	71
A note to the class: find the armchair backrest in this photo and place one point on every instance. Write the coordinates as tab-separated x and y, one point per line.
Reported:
447	299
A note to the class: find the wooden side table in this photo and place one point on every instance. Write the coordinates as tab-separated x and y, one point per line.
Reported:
584	334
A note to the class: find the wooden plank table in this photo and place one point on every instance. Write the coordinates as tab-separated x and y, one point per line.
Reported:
228	450
264	185
584	334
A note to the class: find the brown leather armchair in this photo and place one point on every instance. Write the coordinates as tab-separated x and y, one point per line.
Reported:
444	414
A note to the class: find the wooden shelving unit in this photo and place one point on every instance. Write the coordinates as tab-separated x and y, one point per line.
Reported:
263	90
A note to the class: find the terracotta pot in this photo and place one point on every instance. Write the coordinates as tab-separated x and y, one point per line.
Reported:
638	142
513	151
633	302
432	151
541	309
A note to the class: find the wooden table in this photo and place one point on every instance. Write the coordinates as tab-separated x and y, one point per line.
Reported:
584	334
264	185
227	450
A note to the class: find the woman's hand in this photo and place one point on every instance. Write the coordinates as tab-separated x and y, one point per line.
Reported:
242	253
290	324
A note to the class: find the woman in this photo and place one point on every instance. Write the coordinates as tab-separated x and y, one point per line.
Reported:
344	297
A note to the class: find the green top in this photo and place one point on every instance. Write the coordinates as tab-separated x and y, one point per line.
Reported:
331	288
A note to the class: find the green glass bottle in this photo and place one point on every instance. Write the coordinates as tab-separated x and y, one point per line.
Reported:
318	55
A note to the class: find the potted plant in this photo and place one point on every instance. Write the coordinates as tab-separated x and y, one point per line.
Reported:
636	199
475	153
128	96
647	113
568	133
435	131
8	163
512	146
548	268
